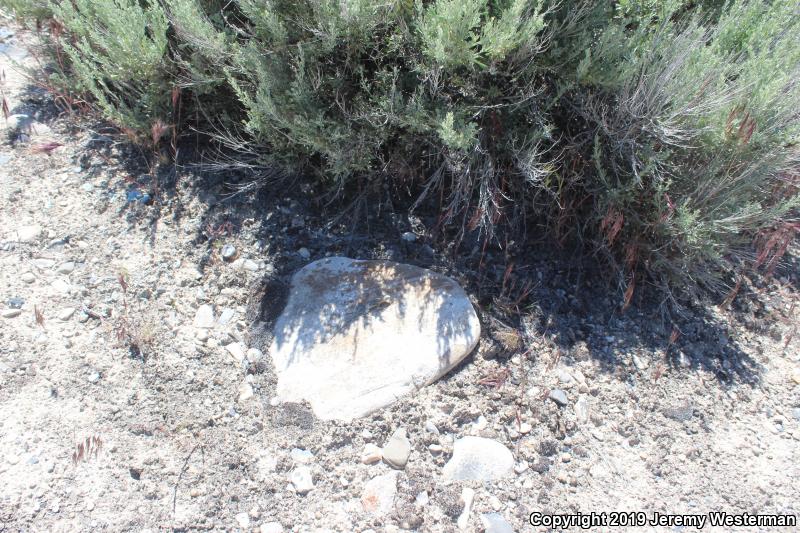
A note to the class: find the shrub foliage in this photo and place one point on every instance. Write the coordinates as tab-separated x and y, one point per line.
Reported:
664	134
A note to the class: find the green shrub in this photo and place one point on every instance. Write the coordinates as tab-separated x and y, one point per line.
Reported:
28	10
662	133
693	143
117	51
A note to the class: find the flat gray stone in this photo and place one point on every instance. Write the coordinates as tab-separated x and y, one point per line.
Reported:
357	335
559	396
478	458
397	449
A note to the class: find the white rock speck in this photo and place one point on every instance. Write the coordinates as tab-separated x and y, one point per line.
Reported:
225	316
66	268
371	454
301	456
250	265
271	527
28	233
236	350
245	392
204	317
302	480
243	520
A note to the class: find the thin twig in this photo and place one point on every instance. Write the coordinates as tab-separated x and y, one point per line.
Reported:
180	475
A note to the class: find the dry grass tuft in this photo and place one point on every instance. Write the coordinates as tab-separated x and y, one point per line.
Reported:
87	449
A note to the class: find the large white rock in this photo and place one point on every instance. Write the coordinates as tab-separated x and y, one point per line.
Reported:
357	335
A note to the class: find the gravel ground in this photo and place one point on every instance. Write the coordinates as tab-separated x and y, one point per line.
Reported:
120	411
